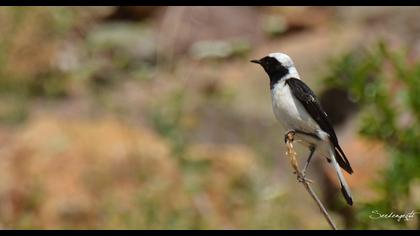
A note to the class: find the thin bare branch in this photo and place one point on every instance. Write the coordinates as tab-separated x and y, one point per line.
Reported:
292	156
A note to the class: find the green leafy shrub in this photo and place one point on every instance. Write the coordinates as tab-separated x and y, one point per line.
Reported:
386	85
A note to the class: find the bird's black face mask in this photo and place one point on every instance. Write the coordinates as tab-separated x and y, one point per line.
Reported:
274	68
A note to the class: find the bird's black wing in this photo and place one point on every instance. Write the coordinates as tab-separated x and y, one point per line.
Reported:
308	99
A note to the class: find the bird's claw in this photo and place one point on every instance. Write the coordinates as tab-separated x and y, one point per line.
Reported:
304	179
286	136
304	172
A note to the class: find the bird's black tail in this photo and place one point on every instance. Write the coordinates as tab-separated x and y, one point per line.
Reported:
345	189
342	159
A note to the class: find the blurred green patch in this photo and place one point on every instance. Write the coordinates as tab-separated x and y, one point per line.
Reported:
52	53
219	49
29	39
167	120
274	25
386	83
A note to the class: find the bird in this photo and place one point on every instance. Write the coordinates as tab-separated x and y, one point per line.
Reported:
298	110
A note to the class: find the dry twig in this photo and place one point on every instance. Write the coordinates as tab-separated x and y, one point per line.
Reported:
292	156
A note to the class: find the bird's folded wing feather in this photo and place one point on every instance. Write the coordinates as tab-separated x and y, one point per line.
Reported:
309	101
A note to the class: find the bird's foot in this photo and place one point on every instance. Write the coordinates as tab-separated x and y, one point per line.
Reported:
304	179
304	171
286	135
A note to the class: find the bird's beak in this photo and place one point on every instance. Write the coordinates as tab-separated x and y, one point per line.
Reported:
256	61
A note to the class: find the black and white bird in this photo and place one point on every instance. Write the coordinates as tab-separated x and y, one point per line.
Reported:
297	109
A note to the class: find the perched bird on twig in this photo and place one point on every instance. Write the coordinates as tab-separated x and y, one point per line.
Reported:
297	108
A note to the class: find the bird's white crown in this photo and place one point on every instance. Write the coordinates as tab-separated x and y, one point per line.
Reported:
287	62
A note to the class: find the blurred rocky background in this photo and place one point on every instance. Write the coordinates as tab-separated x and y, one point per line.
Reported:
153	117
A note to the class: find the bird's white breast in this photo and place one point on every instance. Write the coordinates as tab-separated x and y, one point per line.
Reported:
289	111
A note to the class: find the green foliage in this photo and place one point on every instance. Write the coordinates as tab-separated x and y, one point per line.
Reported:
166	121
387	86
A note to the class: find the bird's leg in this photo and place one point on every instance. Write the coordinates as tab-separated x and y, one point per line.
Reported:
300	176
312	150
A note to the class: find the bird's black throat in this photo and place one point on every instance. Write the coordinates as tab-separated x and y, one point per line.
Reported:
276	78
275	70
